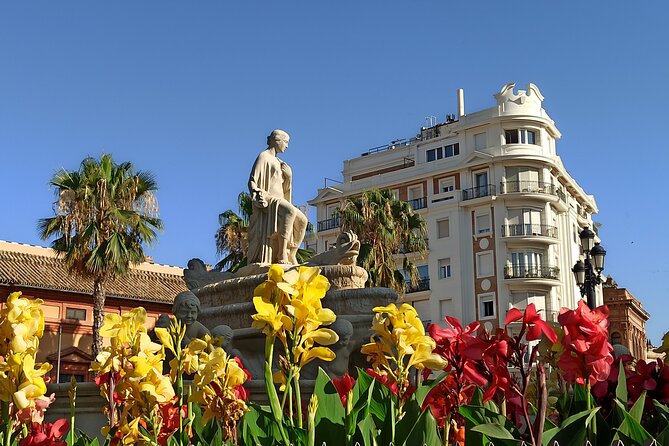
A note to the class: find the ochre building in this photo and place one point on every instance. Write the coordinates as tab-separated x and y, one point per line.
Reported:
68	303
627	319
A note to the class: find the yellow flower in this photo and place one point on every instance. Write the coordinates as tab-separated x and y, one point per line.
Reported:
399	342
158	386
268	318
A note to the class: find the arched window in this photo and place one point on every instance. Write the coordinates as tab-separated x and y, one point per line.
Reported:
616	338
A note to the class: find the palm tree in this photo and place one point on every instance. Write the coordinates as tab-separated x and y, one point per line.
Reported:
386	227
105	213
232	236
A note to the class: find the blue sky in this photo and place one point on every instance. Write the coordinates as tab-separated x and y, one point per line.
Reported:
189	90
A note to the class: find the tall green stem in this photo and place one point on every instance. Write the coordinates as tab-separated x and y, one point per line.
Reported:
271	390
298	399
7	422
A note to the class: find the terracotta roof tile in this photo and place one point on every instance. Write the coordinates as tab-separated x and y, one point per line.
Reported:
38	267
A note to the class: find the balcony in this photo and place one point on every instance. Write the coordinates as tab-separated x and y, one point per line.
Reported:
422	285
529	230
418	203
530	187
531	272
330	223
478	192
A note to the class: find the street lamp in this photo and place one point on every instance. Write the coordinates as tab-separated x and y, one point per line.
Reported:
588	272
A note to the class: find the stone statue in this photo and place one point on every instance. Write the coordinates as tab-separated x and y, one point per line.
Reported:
277	228
342	348
186	309
345	252
223	336
197	275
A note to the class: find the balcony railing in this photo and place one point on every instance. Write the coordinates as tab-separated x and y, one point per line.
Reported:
330	223
535	187
529	230
422	285
531	272
479	191
418	203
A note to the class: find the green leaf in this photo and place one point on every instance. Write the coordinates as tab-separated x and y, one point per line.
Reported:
387	434
479	415
571	431
422	431
621	388
330	414
367	432
493	430
259	428
426	386
663	437
630	430
636	412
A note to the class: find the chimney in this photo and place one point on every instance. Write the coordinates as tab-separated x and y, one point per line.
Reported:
461	103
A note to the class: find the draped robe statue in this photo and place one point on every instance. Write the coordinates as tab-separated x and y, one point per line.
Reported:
277	228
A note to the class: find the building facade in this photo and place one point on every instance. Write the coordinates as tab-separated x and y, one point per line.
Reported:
627	320
68	304
503	213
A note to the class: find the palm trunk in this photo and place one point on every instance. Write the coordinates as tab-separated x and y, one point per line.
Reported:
99	295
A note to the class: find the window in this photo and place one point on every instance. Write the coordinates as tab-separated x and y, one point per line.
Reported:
482	224
481	187
451	150
444	308
487	306
78	314
332	210
446	185
443	228
520	136
67	378
423	272
524	221
484	264
444	268
522	174
415	192
526	264
443	152
480	141
616	338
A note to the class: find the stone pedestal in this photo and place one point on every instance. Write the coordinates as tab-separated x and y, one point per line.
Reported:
229	302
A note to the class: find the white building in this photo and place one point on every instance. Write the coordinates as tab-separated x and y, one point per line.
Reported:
503	213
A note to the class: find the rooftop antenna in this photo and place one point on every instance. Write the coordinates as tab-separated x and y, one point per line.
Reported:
430	121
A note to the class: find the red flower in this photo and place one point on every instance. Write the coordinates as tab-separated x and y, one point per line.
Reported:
171	416
587	352
532	322
344	385
653	377
47	434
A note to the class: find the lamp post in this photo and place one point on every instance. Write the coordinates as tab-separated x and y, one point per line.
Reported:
588	272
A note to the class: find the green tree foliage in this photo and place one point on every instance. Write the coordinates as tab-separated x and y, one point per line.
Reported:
387	228
232	234
104	214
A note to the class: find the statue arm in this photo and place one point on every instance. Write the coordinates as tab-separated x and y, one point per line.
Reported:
255	180
287	175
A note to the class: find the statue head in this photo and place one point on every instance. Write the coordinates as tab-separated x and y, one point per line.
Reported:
186	307
225	332
163	321
344	329
278	139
